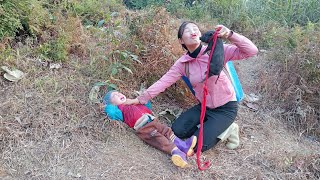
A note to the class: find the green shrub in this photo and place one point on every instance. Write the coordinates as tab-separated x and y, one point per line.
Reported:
11	14
54	50
38	18
23	16
294	81
140	4
176	8
7	56
286	12
91	11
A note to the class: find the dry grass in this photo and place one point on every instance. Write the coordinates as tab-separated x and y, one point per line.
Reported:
50	130
288	86
292	77
153	37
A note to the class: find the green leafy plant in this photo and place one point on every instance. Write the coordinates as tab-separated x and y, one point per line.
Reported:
7	55
27	16
92	11
11	13
54	50
121	60
140	4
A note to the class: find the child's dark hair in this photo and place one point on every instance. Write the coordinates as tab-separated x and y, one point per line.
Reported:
181	30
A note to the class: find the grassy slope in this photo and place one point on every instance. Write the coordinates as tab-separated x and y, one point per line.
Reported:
49	130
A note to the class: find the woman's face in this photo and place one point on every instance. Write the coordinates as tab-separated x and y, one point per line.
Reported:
117	98
191	35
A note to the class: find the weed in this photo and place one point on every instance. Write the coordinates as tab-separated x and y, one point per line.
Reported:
295	76
54	50
11	13
7	56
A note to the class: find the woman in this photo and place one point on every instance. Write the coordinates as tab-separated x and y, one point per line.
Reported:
221	104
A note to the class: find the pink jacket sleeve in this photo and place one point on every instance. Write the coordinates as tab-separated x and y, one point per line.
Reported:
241	48
173	75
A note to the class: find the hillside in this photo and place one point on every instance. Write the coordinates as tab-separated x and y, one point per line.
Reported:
51	131
49	128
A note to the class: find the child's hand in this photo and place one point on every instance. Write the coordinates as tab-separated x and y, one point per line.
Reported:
132	101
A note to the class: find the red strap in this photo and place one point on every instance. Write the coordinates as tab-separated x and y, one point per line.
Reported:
205	164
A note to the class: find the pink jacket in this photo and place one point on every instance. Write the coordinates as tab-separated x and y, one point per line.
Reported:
219	91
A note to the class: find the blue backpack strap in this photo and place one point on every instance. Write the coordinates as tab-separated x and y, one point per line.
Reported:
186	78
187	81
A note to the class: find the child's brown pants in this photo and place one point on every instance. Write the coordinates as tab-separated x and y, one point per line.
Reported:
157	135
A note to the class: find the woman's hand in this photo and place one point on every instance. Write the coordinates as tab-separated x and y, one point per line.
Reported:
224	31
132	101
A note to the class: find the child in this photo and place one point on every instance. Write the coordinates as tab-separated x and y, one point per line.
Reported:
148	128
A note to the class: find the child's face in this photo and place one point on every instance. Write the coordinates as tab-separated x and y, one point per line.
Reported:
117	98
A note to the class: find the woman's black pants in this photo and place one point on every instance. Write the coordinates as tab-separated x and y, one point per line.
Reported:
215	122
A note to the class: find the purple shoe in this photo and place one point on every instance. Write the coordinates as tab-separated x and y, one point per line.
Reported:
179	158
187	145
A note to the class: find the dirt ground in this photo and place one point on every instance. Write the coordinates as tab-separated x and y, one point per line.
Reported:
50	130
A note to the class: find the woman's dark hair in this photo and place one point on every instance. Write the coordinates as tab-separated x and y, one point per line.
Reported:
181	30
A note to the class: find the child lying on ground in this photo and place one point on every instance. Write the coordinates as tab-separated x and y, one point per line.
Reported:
148	128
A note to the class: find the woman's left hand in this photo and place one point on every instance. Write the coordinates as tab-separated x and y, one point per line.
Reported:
224	31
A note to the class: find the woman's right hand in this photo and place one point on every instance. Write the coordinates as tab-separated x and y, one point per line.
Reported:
224	31
132	101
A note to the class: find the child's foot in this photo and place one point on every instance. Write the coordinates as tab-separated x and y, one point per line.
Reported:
179	158
187	145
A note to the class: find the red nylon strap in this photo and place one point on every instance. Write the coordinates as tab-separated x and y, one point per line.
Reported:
205	165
